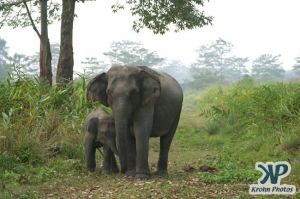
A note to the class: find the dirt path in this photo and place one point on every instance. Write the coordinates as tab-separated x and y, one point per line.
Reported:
121	187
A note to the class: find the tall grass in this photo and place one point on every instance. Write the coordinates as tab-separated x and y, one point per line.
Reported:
38	123
275	106
257	122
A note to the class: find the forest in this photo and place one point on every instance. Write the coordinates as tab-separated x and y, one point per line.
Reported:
236	111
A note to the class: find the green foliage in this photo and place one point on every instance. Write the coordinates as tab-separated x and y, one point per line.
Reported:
132	53
230	171
269	105
292	143
252	122
214	64
41	141
14	13
160	15
8	161
37	124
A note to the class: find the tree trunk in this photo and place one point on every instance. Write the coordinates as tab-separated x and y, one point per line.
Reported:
64	73
45	52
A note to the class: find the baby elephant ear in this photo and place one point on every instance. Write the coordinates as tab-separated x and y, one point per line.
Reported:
151	85
96	89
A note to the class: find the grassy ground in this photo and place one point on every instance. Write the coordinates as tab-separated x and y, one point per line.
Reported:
212	156
187	176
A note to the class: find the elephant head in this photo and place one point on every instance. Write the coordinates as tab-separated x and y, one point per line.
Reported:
125	89
99	132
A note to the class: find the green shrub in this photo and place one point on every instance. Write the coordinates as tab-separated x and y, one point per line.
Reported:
251	122
273	105
38	123
71	151
291	142
213	128
28	152
8	161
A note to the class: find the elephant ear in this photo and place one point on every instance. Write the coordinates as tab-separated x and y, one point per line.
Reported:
96	89
151	85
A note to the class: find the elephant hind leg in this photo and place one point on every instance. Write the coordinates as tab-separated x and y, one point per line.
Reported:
165	143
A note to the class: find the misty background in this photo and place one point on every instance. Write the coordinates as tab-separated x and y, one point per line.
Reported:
244	41
215	64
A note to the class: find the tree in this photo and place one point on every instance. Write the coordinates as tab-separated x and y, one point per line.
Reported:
202	78
157	15
234	69
24	64
215	64
45	51
267	67
4	60
160	15
93	66
18	13
132	53
296	66
34	59
65	65
212	58
178	70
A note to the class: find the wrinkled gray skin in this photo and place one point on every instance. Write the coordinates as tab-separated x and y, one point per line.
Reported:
100	132
146	101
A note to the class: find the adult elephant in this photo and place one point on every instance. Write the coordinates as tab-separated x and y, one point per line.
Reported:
147	101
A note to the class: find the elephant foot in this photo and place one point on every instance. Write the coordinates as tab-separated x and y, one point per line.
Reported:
130	173
142	176
161	173
123	170
108	172
91	173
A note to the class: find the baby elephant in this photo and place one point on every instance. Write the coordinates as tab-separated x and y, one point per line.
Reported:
100	132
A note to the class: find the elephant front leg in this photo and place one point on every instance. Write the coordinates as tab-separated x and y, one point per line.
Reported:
142	165
109	162
143	122
131	157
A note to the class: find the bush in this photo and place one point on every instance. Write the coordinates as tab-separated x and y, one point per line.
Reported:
38	123
247	104
254	122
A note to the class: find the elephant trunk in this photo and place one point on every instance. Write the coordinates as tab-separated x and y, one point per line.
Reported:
122	115
113	147
90	152
121	138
